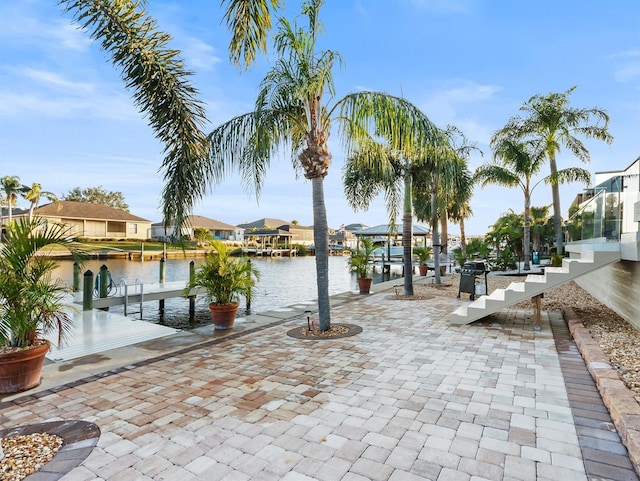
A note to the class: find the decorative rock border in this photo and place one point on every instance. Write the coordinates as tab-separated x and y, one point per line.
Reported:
622	405
78	440
297	334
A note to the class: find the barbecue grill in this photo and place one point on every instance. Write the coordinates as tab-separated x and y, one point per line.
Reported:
468	274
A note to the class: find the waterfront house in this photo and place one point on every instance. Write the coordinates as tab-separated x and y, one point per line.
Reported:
603	247
344	237
218	230
277	231
95	221
607	217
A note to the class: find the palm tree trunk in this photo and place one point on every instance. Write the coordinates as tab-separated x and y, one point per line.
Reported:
463	239
407	237
435	235
444	233
557	217
537	241
321	241
527	231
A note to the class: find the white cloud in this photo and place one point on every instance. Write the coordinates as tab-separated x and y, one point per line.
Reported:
53	79
109	106
67	35
200	55
628	72
448	106
16	26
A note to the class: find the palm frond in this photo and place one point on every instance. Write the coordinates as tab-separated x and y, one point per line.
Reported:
249	22
161	90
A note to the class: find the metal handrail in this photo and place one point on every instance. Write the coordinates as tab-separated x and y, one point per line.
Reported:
137	283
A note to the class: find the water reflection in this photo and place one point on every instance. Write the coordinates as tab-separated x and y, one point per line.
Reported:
283	281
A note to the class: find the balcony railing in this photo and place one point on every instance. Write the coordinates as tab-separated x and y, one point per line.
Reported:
597	220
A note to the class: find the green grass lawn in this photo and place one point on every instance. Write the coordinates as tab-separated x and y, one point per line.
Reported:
134	246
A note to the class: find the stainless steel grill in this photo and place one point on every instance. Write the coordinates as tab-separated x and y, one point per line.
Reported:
475	268
468	274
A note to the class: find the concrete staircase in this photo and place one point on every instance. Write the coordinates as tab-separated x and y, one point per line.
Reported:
534	285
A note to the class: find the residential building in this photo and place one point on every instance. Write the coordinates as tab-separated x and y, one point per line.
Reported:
277	231
95	221
217	229
607	217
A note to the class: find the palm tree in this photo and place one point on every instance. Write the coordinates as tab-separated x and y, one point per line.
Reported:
34	193
551	120
391	169
290	112
518	163
161	90
12	188
539	217
460	210
440	175
446	177
507	230
459	207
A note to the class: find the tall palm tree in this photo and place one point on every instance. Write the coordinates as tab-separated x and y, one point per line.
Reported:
446	180
551	120
290	112
517	165
439	175
161	90
12	188
34	193
458	207
391	169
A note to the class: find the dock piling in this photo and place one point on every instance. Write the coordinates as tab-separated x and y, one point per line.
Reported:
162	271
192	299
87	293
76	277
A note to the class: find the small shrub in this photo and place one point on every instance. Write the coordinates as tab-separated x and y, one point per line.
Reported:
556	260
301	249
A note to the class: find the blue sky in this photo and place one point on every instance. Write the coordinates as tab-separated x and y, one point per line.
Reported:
66	119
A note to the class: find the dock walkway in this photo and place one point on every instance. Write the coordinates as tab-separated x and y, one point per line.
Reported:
137	293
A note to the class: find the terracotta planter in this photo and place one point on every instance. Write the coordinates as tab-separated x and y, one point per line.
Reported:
22	370
223	315
364	284
423	270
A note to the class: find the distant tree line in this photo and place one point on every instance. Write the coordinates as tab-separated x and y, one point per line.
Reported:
97	195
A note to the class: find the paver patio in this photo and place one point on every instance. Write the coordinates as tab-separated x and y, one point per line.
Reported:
410	398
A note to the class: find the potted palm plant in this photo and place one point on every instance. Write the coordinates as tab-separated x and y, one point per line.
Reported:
224	279
32	304
423	254
360	265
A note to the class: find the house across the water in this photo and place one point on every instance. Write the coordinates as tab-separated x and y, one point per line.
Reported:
95	221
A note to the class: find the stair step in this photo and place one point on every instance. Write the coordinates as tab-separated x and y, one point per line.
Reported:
533	285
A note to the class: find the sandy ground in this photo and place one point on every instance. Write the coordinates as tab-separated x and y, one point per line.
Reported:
618	339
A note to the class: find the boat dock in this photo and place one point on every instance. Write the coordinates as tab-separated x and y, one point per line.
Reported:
137	293
268	252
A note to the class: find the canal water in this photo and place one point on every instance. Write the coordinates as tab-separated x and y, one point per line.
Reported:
283	281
